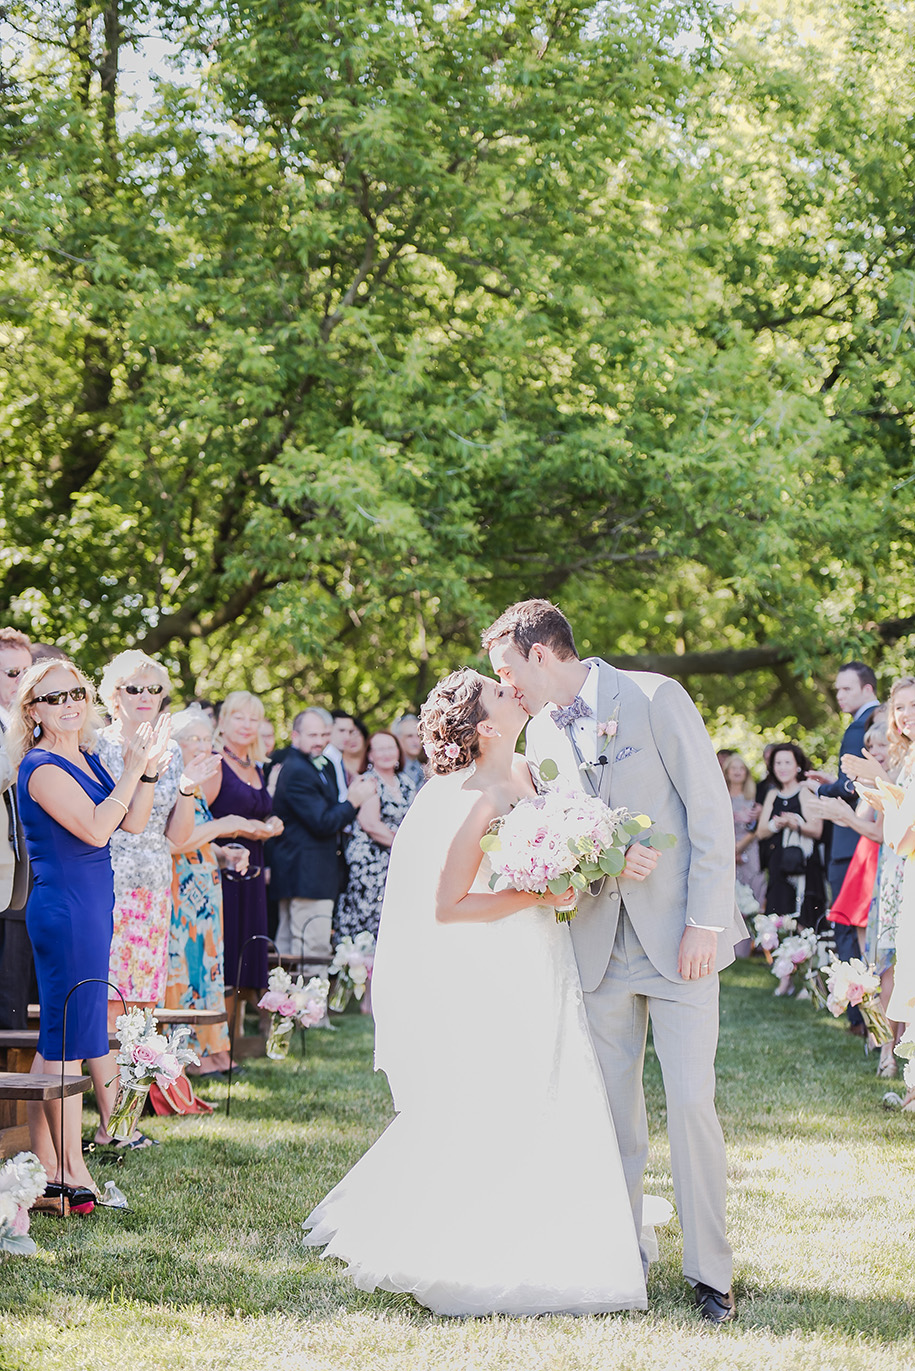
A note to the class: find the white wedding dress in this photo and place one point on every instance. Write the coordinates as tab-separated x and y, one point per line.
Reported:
498	1187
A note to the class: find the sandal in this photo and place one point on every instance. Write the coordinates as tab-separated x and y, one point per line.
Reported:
137	1144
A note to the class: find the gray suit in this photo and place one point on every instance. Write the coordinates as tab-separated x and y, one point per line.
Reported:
626	938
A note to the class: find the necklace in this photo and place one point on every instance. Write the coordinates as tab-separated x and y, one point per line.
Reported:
242	761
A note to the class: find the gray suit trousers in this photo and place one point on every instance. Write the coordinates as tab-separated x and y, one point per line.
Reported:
684	1020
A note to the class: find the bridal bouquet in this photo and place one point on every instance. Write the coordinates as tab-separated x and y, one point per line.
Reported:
22	1181
352	966
561	839
145	1055
856	983
291	1002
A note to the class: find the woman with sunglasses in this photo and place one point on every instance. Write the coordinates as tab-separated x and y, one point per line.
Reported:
135	688
70	807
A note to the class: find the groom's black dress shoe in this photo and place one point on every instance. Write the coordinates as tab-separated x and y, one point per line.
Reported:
713	1305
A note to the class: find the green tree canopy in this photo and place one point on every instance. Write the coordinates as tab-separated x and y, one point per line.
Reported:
379	318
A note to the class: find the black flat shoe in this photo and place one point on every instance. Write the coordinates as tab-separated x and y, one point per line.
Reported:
80	1198
714	1306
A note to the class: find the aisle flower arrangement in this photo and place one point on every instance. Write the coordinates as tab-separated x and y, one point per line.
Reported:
770	929
856	983
291	1002
563	838
145	1055
23	1180
905	1048
352	966
794	954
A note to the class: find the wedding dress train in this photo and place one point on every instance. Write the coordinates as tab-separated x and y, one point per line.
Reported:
498	1187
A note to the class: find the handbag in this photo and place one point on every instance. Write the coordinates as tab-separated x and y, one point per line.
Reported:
178	1098
794	853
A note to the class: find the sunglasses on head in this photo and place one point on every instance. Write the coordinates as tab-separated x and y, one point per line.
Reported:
57	697
13	671
138	690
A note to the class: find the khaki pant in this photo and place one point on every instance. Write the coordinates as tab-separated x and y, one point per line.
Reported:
305	929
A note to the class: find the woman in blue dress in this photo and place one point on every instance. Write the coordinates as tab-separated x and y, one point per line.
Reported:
70	806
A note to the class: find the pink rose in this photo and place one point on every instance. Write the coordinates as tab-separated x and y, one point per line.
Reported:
452	750
856	993
288	1008
143	1055
272	1001
169	1067
607	730
20	1225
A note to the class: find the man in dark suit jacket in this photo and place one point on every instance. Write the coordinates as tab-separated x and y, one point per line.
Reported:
308	870
856	694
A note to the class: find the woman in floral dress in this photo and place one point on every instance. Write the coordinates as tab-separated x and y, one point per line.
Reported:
195	946
368	849
134	688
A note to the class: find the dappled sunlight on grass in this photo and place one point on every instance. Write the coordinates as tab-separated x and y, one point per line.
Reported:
208	1270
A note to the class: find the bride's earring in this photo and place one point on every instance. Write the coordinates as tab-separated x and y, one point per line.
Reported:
36	731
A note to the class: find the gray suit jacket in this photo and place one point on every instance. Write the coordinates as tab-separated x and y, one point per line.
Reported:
661	763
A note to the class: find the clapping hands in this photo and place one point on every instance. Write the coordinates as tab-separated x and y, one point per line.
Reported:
147	752
202	769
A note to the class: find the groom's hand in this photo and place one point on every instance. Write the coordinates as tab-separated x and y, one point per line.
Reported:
640	862
698	947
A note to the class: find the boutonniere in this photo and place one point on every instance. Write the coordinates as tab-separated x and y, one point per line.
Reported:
605	730
320	762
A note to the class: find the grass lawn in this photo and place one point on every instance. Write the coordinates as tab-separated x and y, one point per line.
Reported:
207	1270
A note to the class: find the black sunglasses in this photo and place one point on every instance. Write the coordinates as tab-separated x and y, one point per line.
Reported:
57	697
138	690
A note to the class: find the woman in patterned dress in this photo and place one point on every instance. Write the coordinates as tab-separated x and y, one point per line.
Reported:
195	945
134	688
368	849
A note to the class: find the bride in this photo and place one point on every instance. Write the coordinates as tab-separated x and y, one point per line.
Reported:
498	1187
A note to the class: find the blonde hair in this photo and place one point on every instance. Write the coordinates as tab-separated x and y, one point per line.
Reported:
448	721
22	724
125	665
234	703
749	785
899	744
191	717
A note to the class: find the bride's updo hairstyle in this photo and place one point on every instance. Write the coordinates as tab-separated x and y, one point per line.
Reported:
448	721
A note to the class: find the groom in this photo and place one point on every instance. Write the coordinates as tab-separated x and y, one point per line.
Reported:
648	948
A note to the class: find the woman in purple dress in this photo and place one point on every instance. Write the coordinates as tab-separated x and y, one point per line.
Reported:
238	788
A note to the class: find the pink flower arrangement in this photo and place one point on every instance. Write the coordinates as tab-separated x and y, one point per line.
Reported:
294	999
452	750
560	839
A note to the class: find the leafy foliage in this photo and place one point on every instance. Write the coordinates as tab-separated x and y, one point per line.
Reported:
378	319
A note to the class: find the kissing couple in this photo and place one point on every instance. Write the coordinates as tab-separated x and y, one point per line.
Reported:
511	1179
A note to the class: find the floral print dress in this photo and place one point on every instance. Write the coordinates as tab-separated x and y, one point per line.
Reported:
195	944
360	905
142	867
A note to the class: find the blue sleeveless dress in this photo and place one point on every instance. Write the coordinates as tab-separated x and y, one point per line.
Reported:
69	915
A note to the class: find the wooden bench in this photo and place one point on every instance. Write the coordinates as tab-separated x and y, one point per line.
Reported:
17	1089
192	1017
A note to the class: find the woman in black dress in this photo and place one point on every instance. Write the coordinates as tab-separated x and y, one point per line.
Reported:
796	881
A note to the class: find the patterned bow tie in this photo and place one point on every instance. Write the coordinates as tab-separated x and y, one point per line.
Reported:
569	713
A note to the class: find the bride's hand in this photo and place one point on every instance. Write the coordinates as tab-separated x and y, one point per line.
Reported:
566	897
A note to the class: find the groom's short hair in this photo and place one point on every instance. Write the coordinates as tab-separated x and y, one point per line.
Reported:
533	621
